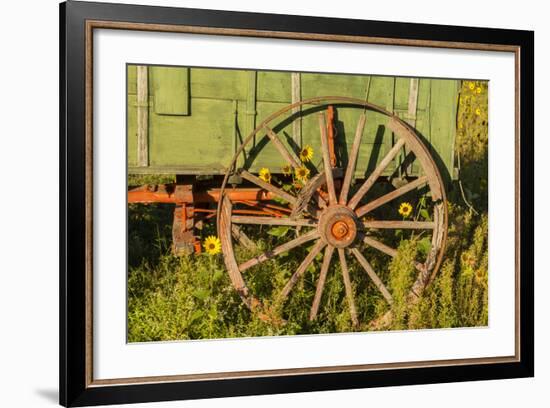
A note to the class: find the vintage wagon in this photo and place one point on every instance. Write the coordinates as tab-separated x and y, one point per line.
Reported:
240	143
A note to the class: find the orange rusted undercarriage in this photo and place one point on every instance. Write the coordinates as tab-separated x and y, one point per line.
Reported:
173	194
191	210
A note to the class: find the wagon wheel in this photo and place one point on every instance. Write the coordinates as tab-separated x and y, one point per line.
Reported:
330	212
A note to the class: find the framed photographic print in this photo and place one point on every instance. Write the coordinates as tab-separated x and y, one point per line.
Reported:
255	203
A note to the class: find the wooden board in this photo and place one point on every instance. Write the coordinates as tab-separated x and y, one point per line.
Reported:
193	141
443	107
202	134
171	90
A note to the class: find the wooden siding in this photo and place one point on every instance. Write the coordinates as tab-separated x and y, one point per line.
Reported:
198	117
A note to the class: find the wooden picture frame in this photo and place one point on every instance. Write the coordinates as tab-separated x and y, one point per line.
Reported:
78	20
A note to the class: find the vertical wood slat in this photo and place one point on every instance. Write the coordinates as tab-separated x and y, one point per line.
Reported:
326	159
296	97
413	102
142	117
236	135
443	106
381	92
250	113
411	120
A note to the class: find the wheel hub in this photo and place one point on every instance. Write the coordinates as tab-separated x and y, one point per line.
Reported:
338	226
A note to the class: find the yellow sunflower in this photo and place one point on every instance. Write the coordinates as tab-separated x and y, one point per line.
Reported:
212	245
287	170
478	111
306	154
405	209
478	90
471	85
480	276
265	174
302	173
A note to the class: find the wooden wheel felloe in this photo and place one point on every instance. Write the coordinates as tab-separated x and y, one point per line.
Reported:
332	213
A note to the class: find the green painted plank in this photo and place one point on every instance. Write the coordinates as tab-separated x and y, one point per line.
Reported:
197	140
346	124
401	94
381	93
206	139
226	84
262	153
314	85
423	116
401	108
132	130
171	90
132	79
251	86
443	106
274	87
423	108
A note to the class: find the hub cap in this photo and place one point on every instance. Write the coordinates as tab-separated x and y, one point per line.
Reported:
338	226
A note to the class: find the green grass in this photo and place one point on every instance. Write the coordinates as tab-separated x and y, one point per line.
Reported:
176	298
140	179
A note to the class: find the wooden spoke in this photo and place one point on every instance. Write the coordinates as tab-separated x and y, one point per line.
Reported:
224	230
319	201
387	250
352	159
374	277
309	196
267	186
301	269
307	193
243	219
243	239
326	159
375	174
380	246
288	155
321	282
391	196
347	285
276	209
399	224
279	250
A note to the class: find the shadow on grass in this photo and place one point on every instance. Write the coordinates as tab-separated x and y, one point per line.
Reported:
149	232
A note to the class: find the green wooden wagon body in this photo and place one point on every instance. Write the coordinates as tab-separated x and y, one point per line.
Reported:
196	118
